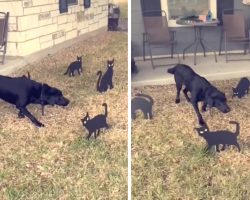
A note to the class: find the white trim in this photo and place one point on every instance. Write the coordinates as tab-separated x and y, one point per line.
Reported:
172	23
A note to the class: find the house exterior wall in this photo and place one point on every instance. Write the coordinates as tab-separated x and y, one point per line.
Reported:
37	24
184	36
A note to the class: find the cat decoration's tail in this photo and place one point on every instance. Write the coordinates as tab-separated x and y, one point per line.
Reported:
146	96
66	71
99	73
237	132
28	75
106	109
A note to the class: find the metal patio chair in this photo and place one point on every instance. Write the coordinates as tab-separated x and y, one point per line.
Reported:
235	30
157	34
4	18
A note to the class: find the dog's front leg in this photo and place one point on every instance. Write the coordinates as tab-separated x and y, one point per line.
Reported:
26	113
204	107
20	114
195	105
185	91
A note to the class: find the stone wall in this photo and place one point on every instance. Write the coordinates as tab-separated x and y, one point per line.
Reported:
37	24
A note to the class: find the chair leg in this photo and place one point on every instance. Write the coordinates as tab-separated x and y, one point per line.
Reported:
3	59
246	46
143	47
151	57
221	40
195	50
172	51
249	47
226	50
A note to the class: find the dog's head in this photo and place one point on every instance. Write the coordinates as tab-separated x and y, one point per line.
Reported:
218	100
53	96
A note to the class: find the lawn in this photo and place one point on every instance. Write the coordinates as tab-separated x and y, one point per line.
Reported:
57	162
167	154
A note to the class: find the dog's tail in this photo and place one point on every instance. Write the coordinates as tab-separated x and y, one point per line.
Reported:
106	109
66	71
237	132
171	70
99	73
146	96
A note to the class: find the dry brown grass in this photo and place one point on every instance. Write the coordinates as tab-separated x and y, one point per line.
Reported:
56	162
168	162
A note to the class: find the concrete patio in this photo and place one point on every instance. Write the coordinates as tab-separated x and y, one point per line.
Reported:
206	66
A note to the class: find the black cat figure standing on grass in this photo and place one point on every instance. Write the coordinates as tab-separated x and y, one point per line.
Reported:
242	88
95	124
75	66
224	137
144	103
105	82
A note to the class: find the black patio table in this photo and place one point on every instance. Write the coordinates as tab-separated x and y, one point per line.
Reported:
198	39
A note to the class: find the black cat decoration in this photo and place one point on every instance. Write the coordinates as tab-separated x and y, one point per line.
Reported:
223	137
144	103
75	66
104	81
95	124
242	88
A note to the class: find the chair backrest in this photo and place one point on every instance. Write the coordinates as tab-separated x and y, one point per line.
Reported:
4	17
234	23
156	27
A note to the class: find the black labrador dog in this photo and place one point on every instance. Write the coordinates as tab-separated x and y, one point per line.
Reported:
22	91
200	89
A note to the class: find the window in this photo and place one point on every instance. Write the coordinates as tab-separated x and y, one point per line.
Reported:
63	5
183	8
87	3
72	2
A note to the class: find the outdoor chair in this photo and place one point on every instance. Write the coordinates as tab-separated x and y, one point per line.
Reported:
157	34
4	17
234	30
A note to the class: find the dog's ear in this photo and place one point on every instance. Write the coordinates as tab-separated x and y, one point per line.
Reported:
210	101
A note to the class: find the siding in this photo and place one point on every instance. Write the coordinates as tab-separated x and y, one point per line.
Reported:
37	24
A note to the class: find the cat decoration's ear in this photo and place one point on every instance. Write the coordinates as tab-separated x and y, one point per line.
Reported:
113	60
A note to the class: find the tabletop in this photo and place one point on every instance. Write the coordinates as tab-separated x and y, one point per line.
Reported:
197	23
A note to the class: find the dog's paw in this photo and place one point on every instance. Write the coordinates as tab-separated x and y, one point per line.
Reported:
201	122
20	115
39	124
177	100
203	109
